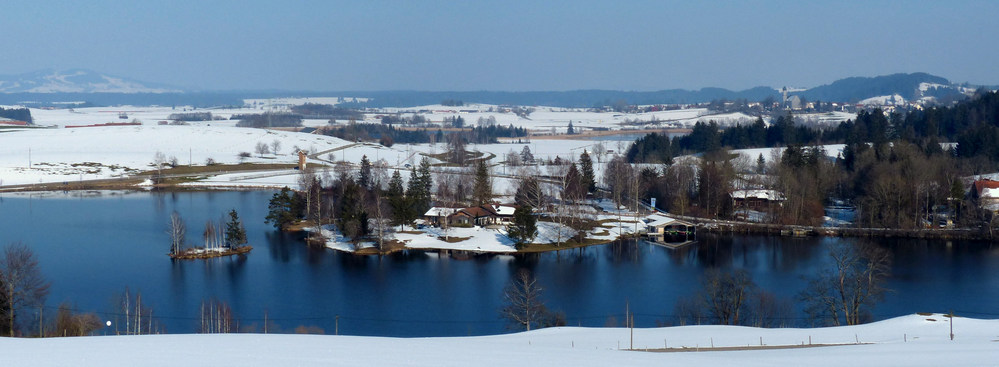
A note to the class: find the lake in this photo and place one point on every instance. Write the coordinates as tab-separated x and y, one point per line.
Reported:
91	246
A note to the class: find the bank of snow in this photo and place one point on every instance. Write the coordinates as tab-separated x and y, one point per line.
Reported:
904	341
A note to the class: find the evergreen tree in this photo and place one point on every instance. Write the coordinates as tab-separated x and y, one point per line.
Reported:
398	201
285	208
395	187
418	191
364	176
761	164
351	214
235	233
526	156
575	188
586	166
570	131
524	227
482	191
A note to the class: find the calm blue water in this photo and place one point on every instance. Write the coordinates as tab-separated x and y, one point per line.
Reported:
91	248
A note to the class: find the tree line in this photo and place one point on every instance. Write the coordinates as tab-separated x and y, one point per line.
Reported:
268	119
327	111
14	113
387	134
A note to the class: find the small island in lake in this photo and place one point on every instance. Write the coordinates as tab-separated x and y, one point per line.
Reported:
218	242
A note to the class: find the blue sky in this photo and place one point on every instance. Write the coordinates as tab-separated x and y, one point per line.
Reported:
501	45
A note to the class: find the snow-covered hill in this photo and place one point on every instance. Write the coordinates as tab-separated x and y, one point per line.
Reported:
75	81
913	340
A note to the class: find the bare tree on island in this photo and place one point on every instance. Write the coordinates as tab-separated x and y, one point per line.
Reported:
177	231
23	284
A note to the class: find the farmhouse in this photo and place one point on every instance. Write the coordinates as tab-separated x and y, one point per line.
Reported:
483	215
756	199
438	215
986	193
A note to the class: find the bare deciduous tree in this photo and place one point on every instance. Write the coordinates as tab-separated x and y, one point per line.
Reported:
159	159
276	146
843	294
524	306
177	231
726	294
216	317
23	284
731	298
261	148
135	316
72	324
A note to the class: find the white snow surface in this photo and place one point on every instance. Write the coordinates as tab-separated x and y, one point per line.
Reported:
70	154
895	99
904	341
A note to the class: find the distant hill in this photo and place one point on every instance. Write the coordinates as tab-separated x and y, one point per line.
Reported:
76	81
910	86
575	98
47	87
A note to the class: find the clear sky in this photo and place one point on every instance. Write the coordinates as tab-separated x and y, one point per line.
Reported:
501	45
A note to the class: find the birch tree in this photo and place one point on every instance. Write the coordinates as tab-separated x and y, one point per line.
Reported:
177	231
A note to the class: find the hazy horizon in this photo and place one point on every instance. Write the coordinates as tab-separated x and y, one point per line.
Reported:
509	46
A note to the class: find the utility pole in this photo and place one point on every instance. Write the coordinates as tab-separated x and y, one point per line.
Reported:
627	322
951	324
336	327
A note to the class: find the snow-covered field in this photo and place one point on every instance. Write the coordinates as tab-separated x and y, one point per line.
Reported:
57	155
904	341
62	154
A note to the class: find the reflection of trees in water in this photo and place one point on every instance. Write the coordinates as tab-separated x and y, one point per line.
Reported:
777	253
352	262
684	255
714	251
524	261
787	254
579	255
159	202
235	267
315	254
624	251
280	245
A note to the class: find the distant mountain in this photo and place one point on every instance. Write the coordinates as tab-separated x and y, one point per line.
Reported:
50	86
76	81
574	98
912	87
